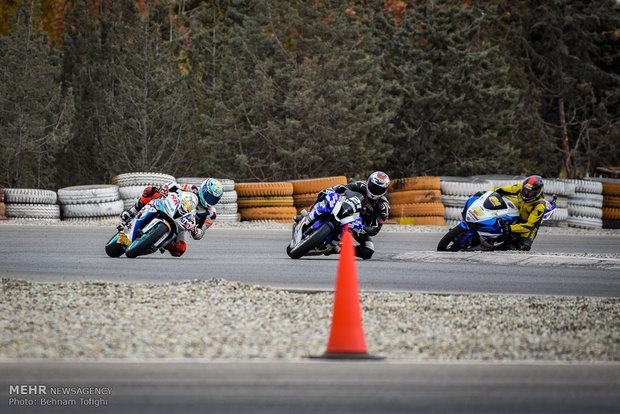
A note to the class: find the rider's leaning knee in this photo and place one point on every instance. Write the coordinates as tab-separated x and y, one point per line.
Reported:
365	251
177	249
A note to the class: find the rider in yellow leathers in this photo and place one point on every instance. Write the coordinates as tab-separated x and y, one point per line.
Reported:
528	197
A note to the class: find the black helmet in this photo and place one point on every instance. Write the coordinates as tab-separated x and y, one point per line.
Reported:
377	185
532	188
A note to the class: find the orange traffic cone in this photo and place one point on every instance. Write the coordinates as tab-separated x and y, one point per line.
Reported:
346	337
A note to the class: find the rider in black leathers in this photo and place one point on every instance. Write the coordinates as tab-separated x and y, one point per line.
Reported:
375	209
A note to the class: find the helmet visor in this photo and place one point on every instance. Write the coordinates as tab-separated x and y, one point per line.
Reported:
375	191
528	193
210	199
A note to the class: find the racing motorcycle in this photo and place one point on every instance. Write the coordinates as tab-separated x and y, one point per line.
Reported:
155	225
484	218
319	230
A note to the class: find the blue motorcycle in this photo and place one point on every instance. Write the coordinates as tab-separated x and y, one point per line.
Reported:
319	231
483	219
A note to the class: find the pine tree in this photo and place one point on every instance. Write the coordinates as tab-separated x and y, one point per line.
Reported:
461	111
136	111
151	122
295	93
573	50
35	116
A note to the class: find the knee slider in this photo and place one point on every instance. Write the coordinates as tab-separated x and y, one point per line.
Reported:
364	252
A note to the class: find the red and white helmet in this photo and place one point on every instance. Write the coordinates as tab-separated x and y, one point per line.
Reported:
377	185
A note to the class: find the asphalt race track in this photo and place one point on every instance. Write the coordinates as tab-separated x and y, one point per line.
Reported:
565	264
318	387
572	265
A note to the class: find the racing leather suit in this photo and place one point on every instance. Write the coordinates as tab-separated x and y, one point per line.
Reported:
373	215
205	216
531	213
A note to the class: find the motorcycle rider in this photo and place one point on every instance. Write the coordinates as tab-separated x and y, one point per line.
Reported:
528	197
375	210
209	193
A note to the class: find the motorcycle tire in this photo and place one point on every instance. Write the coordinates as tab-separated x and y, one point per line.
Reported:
449	242
146	241
114	249
309	242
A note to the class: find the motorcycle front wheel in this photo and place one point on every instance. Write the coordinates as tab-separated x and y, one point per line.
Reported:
309	242
146	241
114	249
451	241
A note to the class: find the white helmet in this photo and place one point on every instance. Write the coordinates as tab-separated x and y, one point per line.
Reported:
377	185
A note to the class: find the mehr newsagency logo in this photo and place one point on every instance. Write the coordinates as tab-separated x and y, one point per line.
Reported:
44	395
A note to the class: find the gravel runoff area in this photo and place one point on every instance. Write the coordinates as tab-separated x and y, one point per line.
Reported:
218	319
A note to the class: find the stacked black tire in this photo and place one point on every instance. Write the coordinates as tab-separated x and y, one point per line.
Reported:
31	204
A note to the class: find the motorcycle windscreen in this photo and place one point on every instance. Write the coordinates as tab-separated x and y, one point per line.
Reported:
494	202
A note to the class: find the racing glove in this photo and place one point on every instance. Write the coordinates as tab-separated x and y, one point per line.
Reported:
505	228
211	215
165	189
197	233
129	214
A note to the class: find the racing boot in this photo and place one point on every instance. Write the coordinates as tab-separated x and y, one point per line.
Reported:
301	215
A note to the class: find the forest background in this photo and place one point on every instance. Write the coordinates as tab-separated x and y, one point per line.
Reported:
269	90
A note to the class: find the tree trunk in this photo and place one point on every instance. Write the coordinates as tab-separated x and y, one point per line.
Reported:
567	170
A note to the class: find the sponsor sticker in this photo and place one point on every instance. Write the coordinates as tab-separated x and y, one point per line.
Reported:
123	239
188	206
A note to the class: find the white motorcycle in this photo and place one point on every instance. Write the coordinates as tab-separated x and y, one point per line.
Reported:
155	225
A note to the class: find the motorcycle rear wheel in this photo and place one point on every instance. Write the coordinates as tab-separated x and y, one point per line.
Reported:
450	242
309	242
114	249
146	241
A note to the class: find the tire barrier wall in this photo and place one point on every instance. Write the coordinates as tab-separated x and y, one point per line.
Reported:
227	209
90	203
2	206
131	185
611	202
585	203
456	190
266	201
416	201
305	191
31	204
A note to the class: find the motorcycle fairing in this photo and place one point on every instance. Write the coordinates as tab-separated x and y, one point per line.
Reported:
159	210
327	211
